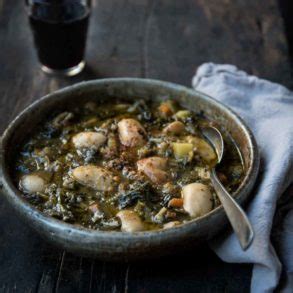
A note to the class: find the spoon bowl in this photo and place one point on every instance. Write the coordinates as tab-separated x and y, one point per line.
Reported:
214	136
236	215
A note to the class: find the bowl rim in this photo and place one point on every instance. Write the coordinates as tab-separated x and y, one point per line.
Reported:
15	196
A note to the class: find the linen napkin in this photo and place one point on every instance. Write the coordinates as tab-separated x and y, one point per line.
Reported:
267	109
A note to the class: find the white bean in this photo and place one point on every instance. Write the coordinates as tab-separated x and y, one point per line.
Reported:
171	224
197	199
131	133
95	177
130	221
88	140
175	127
32	183
154	168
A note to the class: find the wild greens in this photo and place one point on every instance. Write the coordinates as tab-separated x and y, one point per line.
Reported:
123	166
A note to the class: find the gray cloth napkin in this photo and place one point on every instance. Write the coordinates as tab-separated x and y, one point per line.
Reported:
267	109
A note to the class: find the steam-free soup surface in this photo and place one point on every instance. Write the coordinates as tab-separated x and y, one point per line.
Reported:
124	166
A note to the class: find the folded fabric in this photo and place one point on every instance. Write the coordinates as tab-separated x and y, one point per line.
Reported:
267	109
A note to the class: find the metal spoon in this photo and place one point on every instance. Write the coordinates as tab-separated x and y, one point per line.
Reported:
235	213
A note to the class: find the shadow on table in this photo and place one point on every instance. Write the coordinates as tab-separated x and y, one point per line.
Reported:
198	270
28	263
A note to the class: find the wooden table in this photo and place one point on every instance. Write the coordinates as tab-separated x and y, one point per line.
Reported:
163	39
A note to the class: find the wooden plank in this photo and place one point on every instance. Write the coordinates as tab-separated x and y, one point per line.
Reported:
187	33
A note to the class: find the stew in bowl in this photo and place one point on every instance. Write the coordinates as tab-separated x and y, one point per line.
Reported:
124	166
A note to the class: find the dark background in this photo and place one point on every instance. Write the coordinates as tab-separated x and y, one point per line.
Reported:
163	39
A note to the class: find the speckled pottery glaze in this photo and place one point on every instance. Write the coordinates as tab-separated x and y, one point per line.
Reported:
123	245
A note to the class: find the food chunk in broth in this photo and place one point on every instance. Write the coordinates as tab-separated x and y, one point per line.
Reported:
124	166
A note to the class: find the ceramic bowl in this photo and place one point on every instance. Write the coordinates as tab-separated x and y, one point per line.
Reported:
123	245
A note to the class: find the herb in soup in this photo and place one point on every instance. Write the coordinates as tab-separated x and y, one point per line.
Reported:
124	166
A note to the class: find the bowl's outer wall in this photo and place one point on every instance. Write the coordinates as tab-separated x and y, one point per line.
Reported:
120	245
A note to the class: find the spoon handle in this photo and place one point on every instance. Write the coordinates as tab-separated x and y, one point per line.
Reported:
237	217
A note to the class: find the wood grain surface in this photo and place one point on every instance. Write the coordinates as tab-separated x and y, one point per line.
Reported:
163	39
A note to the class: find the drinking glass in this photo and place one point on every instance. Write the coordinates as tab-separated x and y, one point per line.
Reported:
59	29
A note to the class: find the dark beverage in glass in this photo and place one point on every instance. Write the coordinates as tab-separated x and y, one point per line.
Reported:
59	28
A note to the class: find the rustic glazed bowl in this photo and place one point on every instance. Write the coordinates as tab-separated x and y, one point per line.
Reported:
123	245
